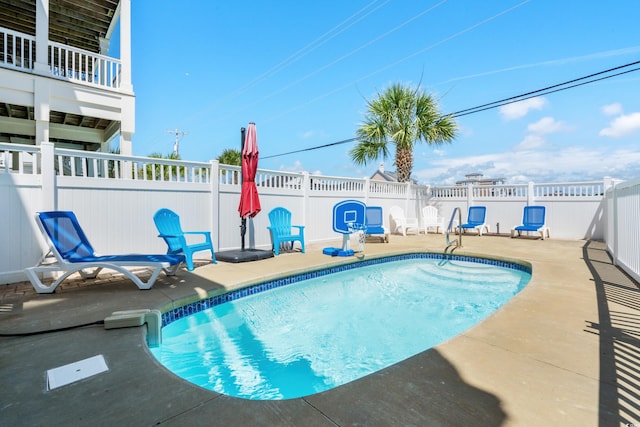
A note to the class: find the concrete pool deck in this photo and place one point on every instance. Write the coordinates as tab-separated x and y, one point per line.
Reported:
564	351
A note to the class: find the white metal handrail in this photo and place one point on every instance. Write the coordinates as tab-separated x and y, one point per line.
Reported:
458	240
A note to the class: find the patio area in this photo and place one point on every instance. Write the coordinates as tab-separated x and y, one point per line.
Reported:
565	351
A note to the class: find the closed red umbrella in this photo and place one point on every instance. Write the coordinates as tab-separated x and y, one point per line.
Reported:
249	199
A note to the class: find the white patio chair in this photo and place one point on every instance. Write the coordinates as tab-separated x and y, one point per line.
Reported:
431	219
401	223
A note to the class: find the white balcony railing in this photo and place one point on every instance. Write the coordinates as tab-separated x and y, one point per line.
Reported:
18	51
84	66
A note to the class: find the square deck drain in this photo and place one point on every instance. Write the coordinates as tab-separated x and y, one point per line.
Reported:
76	371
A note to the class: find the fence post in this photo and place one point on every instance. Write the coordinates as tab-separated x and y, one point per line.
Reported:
366	191
214	188
531	197
469	195
306	189
609	183
48	175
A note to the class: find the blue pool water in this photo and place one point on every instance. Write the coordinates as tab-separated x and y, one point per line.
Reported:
319	333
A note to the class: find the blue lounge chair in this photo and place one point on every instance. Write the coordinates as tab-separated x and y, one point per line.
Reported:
533	220
73	253
282	230
168	225
374	223
476	220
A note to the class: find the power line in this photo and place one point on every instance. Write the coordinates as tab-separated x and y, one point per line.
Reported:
518	97
546	93
312	148
391	65
495	104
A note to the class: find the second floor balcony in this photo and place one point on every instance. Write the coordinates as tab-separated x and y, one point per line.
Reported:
18	51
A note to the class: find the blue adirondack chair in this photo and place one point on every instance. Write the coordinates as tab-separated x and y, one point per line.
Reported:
533	220
168	225
476	220
282	230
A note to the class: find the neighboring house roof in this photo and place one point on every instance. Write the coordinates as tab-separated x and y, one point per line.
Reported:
382	175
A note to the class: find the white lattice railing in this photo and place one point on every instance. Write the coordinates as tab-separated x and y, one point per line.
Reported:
500	191
573	190
115	166
17	158
457	192
387	188
25	159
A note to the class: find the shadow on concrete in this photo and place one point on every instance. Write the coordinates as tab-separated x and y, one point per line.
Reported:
424	390
618	326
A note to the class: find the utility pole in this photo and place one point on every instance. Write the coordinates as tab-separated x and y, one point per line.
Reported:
176	144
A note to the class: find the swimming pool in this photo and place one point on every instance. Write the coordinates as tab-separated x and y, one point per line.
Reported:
333	326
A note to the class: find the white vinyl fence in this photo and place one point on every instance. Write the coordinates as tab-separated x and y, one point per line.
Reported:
115	197
622	233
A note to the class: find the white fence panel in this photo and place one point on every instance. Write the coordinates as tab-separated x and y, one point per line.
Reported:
624	226
116	196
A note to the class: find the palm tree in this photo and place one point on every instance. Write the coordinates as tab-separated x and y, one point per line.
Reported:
230	156
402	116
233	157
156	172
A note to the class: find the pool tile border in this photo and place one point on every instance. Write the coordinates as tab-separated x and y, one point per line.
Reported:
203	304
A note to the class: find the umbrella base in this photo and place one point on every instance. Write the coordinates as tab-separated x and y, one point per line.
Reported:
239	255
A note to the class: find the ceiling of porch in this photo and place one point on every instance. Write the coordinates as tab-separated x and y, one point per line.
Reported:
78	23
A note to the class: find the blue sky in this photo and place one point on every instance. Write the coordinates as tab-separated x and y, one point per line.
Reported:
302	71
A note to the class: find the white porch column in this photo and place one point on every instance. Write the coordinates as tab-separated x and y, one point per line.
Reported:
125	45
41	66
41	110
125	143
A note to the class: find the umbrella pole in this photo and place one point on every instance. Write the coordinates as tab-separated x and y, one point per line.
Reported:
243	230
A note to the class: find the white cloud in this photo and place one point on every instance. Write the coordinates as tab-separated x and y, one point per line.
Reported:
308	134
572	164
296	167
546	125
520	109
530	142
624	125
612	109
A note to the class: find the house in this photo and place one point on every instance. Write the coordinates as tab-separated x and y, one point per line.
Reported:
477	179
57	82
382	175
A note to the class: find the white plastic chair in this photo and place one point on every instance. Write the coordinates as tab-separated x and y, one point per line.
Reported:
401	223
430	219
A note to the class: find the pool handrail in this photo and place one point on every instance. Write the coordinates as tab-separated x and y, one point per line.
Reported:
458	240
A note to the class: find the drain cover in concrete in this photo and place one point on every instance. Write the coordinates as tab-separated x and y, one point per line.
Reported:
76	371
